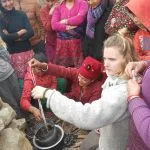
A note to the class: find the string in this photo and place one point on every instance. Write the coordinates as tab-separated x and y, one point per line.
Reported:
39	101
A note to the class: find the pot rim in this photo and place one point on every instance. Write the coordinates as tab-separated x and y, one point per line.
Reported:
62	135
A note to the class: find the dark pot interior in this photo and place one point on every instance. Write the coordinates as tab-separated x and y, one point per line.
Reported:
48	139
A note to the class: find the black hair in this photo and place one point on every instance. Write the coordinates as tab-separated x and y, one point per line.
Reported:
40	57
3	16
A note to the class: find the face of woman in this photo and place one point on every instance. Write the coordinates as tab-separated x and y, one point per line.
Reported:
113	61
7	4
83	82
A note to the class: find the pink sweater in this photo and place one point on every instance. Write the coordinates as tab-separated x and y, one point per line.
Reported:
75	16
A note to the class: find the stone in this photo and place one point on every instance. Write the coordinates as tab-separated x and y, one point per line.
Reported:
2	126
19	123
7	114
13	139
1	103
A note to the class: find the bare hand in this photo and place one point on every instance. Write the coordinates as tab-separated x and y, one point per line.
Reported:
36	113
70	27
35	63
64	21
133	88
5	31
138	67
22	32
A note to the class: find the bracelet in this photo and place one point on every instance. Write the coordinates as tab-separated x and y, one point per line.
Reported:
45	92
44	70
132	97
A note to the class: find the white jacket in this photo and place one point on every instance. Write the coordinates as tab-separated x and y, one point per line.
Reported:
108	113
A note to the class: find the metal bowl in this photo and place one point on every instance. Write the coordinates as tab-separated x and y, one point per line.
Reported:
50	139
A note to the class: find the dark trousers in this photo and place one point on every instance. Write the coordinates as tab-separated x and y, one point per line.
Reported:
9	92
39	47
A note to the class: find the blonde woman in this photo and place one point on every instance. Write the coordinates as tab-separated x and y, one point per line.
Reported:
109	113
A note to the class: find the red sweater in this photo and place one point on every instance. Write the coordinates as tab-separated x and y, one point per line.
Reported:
46	80
93	91
142	44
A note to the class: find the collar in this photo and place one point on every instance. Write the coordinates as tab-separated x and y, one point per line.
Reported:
112	81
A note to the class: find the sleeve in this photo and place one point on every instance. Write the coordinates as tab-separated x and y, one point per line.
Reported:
141	116
81	16
26	95
108	109
10	37
53	82
56	18
29	29
61	71
46	19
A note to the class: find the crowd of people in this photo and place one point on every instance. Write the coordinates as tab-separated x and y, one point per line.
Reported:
97	51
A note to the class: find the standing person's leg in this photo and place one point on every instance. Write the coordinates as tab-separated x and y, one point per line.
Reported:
91	141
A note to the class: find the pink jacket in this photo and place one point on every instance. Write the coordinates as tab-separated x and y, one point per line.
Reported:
75	16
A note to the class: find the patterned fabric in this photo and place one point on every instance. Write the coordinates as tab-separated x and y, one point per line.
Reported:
19	62
119	18
76	33
69	53
93	16
142	44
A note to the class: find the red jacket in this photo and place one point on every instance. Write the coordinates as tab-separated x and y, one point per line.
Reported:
93	91
46	80
142	44
50	35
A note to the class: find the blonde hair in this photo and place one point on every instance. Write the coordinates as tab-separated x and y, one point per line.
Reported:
125	47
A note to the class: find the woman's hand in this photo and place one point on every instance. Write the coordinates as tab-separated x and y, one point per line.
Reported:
136	66
64	21
21	32
133	88
5	31
36	113
70	27
35	63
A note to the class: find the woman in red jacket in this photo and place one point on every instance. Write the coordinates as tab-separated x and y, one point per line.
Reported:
32	78
86	80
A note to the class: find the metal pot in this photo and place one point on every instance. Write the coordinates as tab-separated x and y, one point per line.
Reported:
45	140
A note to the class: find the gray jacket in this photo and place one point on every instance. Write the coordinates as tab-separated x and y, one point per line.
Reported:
5	67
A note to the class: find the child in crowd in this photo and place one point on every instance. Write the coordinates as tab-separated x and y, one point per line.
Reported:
9	87
141	17
33	77
109	112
